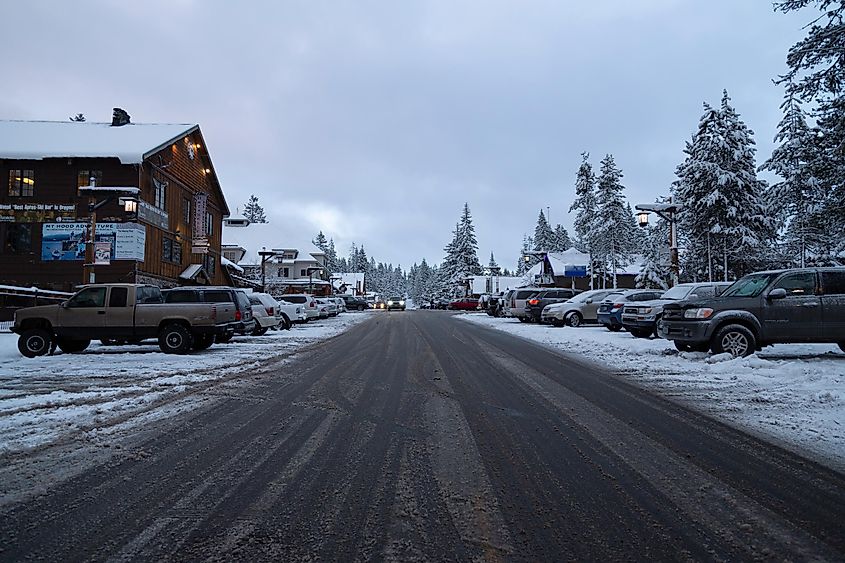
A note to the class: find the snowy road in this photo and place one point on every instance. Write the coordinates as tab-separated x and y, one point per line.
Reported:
418	437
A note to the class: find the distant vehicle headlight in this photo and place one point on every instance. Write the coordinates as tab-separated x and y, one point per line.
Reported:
702	313
390	302
402	302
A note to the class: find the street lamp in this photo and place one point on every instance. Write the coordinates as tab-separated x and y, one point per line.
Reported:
667	212
311	271
94	191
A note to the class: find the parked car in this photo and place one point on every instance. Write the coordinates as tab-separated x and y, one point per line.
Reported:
610	309
355	303
516	305
761	309
290	313
307	302
130	311
243	322
505	303
494	305
640	319
397	303
326	305
576	311
341	304
464	304
264	312
534	305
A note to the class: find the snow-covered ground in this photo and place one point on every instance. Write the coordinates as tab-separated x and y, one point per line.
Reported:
789	393
54	398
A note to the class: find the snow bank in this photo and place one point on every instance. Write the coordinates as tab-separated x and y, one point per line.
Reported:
790	393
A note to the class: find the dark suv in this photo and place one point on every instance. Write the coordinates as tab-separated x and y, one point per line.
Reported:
243	324
764	308
534	305
354	303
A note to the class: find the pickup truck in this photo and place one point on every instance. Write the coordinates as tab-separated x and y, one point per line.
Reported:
119	311
761	309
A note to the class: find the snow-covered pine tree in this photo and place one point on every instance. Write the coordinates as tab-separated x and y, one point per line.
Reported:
79	118
657	271
492	265
723	215
320	241
561	239
543	234
523	265
795	197
253	211
461	258
586	210
613	244
331	257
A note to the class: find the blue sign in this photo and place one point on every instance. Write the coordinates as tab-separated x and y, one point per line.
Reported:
575	271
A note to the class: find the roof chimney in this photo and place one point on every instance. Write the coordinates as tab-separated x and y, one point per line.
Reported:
119	117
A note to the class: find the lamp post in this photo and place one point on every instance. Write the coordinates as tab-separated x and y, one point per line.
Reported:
128	197
311	271
265	256
667	212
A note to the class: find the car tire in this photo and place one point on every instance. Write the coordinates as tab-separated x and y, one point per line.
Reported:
72	346
574	319
734	339
203	341
35	342
691	346
641	332
286	324
260	331
175	339
614	327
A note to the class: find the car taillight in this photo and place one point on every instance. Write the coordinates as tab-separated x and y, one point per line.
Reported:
269	311
312	304
237	315
533	301
617	305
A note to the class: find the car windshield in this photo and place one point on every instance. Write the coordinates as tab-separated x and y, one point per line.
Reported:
677	293
751	285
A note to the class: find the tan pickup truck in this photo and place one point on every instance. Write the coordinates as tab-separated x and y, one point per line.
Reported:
120	311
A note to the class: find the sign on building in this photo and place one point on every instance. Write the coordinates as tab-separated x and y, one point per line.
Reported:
66	241
35	212
199	243
152	215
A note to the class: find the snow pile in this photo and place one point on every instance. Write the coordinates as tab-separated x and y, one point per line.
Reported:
792	393
51	398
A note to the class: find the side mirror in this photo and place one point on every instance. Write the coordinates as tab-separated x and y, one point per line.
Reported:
692	296
63	305
779	293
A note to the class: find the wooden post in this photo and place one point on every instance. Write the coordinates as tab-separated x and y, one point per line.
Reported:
88	267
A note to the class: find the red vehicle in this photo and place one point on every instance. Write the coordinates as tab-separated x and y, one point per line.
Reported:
464	304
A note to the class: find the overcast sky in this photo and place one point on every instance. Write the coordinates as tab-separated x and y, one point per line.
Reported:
375	121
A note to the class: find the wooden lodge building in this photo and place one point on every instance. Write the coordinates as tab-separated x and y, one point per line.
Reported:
165	228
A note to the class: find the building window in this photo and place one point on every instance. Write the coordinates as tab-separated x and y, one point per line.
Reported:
286	271
160	192
303	273
171	251
21	183
84	177
186	211
209	224
18	238
208	264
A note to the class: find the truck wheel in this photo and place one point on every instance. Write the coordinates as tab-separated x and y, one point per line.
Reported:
72	346
260	331
203	341
734	339
35	342
175	339
224	338
574	319
286	324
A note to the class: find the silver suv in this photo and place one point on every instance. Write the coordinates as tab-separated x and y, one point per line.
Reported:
640	319
583	307
515	306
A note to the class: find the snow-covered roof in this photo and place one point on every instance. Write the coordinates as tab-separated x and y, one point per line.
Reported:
270	236
228	263
130	143
561	261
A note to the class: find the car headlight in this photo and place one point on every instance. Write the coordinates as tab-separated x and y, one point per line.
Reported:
702	313
644	310
401	302
390	302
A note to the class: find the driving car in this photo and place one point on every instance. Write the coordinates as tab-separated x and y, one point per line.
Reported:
576	311
397	303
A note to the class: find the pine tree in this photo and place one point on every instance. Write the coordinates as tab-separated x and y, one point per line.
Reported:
253	211
331	258
77	118
492	265
585	206
562	242
525	261
320	241
723	216
656	272
614	243
543	234
461	258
